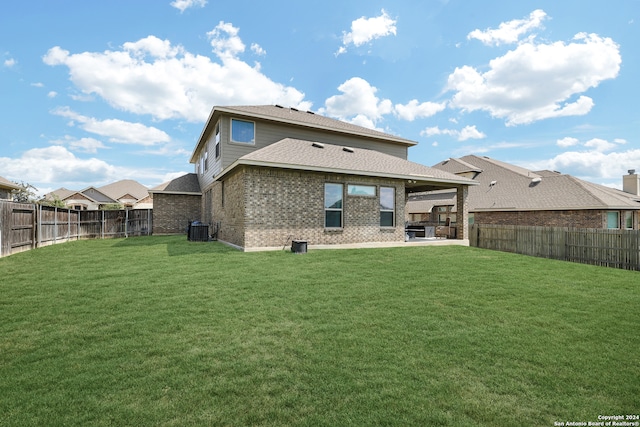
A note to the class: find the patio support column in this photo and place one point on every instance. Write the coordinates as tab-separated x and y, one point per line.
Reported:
462	214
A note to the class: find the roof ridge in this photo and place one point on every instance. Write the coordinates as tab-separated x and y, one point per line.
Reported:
508	166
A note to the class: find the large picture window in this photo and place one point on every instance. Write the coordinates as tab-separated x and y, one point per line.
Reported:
333	196
387	206
243	131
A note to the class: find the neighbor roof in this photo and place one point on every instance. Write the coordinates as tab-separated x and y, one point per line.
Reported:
185	184
5	183
506	187
293	116
119	189
299	154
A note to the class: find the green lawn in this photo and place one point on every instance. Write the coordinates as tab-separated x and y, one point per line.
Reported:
159	331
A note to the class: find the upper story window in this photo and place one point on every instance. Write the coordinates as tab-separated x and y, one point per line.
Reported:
387	206
217	140
243	132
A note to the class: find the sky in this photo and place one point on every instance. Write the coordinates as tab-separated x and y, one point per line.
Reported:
95	92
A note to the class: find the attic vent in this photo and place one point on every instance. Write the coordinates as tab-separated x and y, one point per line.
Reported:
279	106
294	109
310	112
317	145
347	149
536	180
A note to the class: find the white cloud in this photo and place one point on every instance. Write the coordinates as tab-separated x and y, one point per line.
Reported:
597	161
116	130
84	145
468	132
413	110
364	30
52	94
567	142
183	5
152	76
57	164
257	49
357	104
538	81
600	145
9	63
37	84
509	32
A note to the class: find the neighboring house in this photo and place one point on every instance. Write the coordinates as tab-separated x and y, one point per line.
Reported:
269	174
6	187
128	193
508	194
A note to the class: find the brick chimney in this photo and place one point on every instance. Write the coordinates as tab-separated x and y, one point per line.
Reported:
631	183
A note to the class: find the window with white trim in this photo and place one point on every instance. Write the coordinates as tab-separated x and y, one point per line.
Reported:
243	131
628	220
333	198
217	140
387	207
613	219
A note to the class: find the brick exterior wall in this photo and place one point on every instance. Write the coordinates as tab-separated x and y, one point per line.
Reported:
173	212
574	218
267	207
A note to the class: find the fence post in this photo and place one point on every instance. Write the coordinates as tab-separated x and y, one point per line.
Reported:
126	223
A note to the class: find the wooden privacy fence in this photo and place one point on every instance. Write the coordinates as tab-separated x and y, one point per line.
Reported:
29	226
604	247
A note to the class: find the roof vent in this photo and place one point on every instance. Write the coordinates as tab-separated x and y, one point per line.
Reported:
347	149
492	183
536	180
631	171
293	109
317	145
279	106
310	112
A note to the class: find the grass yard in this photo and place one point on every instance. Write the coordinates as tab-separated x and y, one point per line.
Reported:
158	331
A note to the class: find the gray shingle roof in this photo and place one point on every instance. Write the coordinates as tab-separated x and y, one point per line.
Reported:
307	118
295	117
185	184
517	188
299	154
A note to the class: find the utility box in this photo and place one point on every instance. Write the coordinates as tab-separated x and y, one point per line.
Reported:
198	232
299	246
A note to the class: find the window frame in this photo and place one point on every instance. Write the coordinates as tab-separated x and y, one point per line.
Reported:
216	139
352	188
333	209
253	139
608	221
385	209
628	220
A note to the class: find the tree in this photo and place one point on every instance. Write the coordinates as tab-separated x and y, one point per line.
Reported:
26	193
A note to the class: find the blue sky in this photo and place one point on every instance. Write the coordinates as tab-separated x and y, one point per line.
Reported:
94	92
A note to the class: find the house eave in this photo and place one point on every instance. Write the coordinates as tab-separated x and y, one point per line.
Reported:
412	179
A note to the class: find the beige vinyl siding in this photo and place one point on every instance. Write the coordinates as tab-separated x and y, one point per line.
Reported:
268	133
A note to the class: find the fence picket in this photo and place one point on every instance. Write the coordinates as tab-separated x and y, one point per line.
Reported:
27	226
611	248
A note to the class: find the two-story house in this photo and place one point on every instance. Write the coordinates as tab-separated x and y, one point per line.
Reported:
269	174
